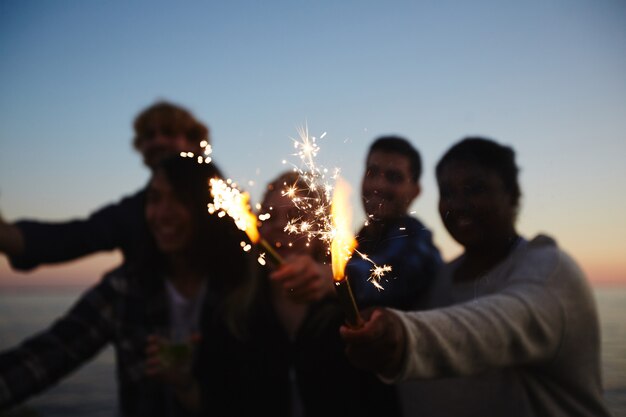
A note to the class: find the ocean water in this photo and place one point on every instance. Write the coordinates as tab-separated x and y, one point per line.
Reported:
91	391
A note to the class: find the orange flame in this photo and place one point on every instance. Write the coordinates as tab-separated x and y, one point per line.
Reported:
228	200
343	243
250	219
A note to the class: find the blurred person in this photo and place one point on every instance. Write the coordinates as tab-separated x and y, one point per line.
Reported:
293	365
391	182
513	328
189	275
161	130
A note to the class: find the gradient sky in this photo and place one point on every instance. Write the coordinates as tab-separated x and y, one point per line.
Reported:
547	77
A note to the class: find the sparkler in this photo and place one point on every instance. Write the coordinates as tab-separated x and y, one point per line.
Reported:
320	182
228	200
342	246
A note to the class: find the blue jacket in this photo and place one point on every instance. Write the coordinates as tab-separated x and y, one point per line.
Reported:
405	245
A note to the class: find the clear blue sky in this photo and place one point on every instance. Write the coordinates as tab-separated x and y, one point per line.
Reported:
547	77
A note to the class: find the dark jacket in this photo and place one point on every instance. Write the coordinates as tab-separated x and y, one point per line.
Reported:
116	226
407	246
121	310
252	377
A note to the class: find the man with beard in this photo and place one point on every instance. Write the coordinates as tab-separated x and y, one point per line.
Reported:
390	235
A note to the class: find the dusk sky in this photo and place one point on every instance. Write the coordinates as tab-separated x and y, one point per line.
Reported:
546	77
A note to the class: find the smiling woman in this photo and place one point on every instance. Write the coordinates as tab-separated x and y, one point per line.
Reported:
512	327
152	310
478	201
168	219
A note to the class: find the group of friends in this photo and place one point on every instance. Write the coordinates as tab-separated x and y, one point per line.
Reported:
199	327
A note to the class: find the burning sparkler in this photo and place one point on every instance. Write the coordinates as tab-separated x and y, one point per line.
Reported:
342	246
228	200
320	183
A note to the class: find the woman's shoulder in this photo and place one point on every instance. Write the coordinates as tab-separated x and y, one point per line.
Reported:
541	258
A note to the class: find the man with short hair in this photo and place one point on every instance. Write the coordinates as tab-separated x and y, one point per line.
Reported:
161	130
390	235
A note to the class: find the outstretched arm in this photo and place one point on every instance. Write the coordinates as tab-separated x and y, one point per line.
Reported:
11	239
42	360
116	226
518	326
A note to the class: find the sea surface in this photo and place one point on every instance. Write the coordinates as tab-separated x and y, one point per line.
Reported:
91	391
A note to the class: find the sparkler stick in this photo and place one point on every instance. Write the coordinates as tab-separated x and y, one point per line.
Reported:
342	246
278	260
228	200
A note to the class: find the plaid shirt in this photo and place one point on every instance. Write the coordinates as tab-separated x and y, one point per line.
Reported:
121	310
407	246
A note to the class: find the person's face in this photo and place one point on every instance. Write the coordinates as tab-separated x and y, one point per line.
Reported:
387	189
169	220
474	205
159	142
281	210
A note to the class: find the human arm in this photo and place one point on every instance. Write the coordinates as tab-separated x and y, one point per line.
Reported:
521	325
114	226
378	344
11	239
44	359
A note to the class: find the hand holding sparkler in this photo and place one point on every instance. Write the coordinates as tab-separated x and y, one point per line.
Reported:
378	345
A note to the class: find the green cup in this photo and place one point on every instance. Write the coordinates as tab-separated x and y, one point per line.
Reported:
175	354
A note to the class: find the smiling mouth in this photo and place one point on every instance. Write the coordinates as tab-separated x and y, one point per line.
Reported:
166	232
464	221
377	199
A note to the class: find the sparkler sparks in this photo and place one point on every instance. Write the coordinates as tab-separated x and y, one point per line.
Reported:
314	198
205	158
228	200
320	186
377	273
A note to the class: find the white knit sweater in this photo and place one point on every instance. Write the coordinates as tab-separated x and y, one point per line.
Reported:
523	340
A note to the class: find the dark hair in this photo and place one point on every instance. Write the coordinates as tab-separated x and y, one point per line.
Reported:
488	154
399	145
163	114
217	242
189	180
